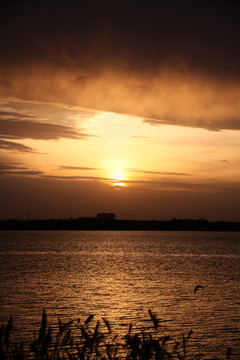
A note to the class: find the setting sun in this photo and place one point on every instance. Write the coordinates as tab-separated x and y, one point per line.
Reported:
119	184
119	176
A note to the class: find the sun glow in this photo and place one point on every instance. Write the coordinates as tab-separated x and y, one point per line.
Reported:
119	178
119	184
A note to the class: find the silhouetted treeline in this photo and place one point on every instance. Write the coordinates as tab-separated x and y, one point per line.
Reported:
92	223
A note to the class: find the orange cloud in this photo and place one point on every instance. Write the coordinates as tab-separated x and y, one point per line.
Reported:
26	129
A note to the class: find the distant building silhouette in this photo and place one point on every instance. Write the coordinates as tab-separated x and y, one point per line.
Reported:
106	216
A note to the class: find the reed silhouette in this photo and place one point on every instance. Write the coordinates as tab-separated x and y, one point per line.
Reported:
90	340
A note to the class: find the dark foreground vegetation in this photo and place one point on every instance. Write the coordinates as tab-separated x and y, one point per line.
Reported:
96	340
91	223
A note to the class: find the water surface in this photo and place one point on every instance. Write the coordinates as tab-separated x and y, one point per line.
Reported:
120	275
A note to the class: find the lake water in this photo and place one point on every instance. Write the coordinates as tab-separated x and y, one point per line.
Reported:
120	275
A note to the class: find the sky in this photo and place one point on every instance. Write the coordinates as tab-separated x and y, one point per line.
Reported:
131	107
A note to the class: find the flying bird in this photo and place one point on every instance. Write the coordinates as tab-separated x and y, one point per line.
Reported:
198	287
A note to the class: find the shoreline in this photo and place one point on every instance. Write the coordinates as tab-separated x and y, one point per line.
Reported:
91	223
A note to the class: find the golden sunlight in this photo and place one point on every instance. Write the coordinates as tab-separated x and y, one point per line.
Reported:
119	176
119	184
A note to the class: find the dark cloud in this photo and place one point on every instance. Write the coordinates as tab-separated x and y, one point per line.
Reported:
77	168
17	169
43	112
173	61
209	123
156	172
5	166
59	177
23	129
21	172
16	115
203	34
13	146
170	186
148	185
